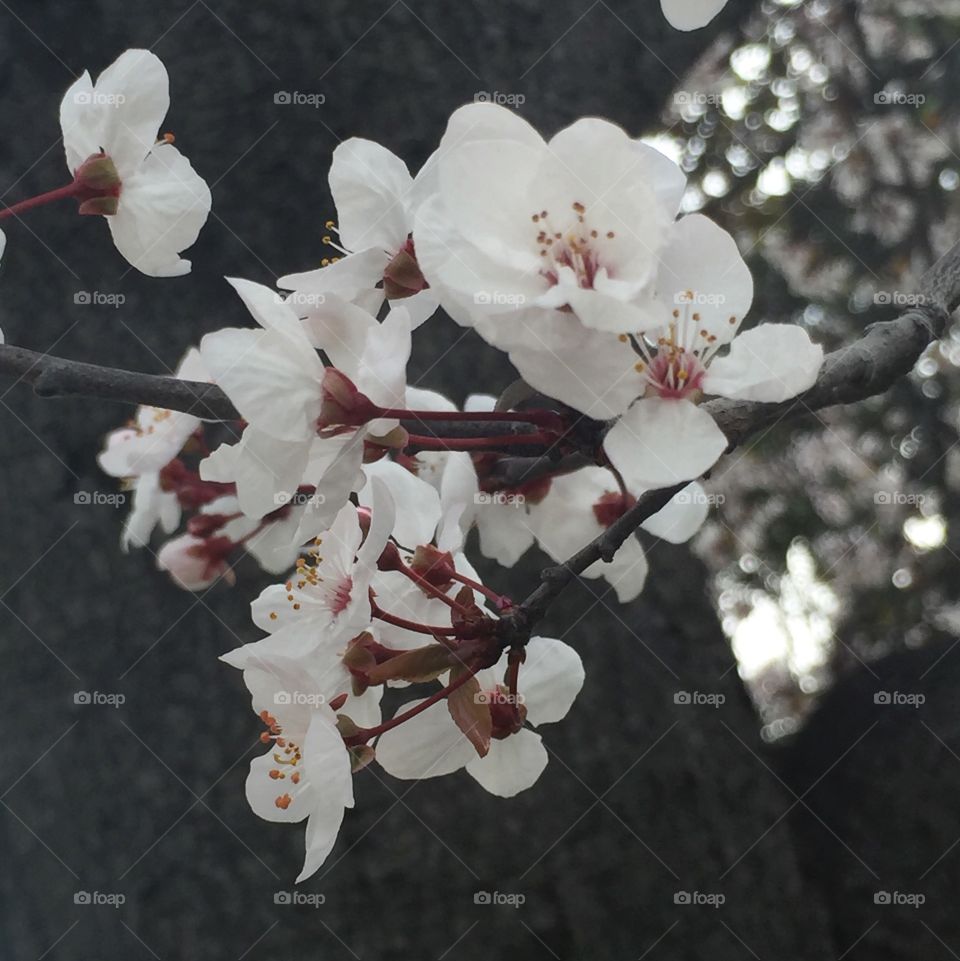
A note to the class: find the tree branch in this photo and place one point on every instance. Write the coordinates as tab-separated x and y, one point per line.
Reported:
886	352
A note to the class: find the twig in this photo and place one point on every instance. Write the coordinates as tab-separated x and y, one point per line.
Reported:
886	352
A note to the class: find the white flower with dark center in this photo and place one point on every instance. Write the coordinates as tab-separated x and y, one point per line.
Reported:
139	452
155	203
374	256
306	772
430	744
326	601
520	232
275	378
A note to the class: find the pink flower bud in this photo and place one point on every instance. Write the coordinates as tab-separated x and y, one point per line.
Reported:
195	563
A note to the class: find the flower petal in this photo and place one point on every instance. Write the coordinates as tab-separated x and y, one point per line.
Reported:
550	679
370	186
691	14
428	745
769	363
682	517
660	442
163	205
511	765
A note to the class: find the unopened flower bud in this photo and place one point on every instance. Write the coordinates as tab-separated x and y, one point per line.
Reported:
195	563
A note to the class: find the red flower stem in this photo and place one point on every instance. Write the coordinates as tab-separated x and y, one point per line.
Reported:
364	735
542	418
430	589
70	190
425	442
388	618
498	599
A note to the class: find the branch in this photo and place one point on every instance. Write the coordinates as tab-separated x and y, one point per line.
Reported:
886	352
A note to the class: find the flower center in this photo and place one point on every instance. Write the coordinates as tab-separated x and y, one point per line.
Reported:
287	757
676	364
612	506
339	597
574	249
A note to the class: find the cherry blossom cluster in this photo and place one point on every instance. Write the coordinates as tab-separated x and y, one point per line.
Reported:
358	491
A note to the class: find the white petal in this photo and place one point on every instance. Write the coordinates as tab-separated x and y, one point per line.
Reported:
550	679
417	503
346	277
589	370
682	517
703	258
769	363
163	205
326	762
511	766
272	384
505	530
80	122
626	573
140	90
369	186
660	442
383	364
263	790
428	745
271	312
322	830
691	14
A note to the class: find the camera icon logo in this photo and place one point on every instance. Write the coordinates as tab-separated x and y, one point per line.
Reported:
681	897
482	897
681	697
82	97
881	897
881	697
81	897
82	697
82	297
282	897
282	97
482	297
282	697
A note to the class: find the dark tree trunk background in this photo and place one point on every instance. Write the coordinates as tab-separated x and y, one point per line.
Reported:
643	798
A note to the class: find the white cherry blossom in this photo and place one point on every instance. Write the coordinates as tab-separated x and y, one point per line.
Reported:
374	255
160	202
430	744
